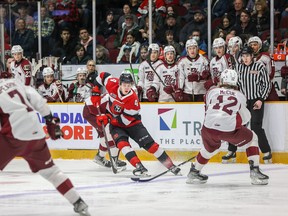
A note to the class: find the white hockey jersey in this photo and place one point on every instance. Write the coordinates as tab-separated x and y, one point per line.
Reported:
18	111
22	71
168	74
79	93
217	65
146	75
225	109
53	92
188	66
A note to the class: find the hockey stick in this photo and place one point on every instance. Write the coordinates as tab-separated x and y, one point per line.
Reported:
131	68
113	162
149	63
137	179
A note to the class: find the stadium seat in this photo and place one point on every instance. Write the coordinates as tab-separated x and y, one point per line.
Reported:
113	53
100	39
277	35
110	42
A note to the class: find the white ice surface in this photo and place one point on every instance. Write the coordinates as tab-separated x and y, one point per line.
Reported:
227	192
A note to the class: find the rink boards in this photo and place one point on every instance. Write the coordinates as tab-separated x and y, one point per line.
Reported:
175	126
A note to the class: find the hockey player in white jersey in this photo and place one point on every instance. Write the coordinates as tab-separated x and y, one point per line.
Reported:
79	91
225	118
193	72
51	88
146	74
22	135
168	72
220	62
20	67
234	48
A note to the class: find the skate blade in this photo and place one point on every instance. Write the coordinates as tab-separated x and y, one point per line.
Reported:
259	181
121	169
268	161
229	161
195	181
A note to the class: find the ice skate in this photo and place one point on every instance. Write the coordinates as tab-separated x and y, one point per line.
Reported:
120	165
257	177
230	157
267	158
81	208
140	170
176	171
102	161
195	177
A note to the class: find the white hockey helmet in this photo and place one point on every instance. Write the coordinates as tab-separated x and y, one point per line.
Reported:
169	48
16	49
191	42
235	41
218	42
257	40
229	77
47	71
81	70
154	47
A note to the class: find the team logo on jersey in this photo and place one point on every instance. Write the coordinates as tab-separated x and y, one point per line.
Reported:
167	118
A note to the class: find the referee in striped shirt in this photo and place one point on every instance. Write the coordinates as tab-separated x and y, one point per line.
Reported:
254	83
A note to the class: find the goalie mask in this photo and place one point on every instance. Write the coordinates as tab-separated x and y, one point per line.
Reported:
229	77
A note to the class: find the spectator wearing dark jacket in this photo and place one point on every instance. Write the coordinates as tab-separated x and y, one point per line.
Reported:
81	57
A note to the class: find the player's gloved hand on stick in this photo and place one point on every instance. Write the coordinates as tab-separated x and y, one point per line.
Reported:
152	94
193	77
53	127
168	89
96	96
102	119
179	95
205	75
216	80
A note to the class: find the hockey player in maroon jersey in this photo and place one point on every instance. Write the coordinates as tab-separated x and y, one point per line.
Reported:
225	117
20	67
219	63
22	135
125	121
51	88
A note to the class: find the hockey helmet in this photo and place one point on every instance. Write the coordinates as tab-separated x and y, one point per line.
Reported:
233	41
126	77
81	70
16	49
47	71
154	47
229	77
247	50
218	42
169	48
257	40
191	42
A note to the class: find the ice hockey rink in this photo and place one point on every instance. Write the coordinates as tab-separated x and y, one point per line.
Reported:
227	192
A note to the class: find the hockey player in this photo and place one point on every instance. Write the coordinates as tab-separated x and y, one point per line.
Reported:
259	56
20	67
22	135
89	113
125	121
51	88
234	48
193	72
219	63
225	117
79	90
146	74
168	72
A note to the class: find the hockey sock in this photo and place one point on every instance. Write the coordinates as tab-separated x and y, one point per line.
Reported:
61	182
203	158
160	154
252	150
128	152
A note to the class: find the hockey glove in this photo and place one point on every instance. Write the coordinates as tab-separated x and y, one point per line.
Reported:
284	72
205	75
53	127
168	89
216	80
193	77
102	119
96	96
152	94
208	84
179	95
